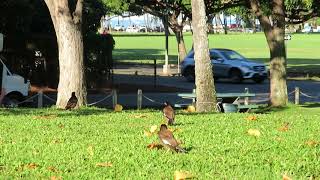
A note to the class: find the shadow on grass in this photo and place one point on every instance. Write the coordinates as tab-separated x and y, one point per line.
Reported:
52	111
311	105
298	66
182	124
188	149
140	34
269	109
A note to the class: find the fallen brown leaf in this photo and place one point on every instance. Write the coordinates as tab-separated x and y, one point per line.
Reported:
153	128
90	150
55	178
147	133
251	118
32	165
140	116
254	132
312	143
154	146
278	139
118	108
284	127
191	109
50	116
180	175
52	169
285	177
104	164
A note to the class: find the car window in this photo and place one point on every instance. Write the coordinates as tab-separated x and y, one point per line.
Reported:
232	55
191	54
214	56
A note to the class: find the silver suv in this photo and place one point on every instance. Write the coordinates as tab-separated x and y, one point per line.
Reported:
227	64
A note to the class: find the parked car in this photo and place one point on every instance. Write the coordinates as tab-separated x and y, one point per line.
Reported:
16	87
143	29
227	64
307	29
132	29
118	28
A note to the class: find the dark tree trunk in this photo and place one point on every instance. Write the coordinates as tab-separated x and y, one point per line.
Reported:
209	23
274	32
254	25
67	26
181	45
205	89
177	28
225	26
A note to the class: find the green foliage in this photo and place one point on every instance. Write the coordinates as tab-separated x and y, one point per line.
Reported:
291	4
92	13
98	55
39	144
117	6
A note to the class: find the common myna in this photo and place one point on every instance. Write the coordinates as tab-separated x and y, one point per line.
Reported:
72	103
168	113
167	139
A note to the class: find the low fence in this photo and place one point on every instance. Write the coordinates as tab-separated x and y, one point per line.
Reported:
295	96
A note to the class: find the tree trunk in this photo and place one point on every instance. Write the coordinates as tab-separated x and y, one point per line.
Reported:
70	44
254	25
177	28
71	78
181	45
209	23
205	89
278	83
225	26
275	32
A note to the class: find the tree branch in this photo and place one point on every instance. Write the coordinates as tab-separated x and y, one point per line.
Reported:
77	14
264	20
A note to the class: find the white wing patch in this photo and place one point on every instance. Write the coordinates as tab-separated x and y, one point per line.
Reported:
166	142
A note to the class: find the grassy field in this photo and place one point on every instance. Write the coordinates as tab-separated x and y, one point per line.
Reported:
303	49
49	143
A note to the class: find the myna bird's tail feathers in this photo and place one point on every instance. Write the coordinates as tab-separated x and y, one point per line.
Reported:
180	150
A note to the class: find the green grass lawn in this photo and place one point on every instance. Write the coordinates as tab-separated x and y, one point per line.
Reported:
303	49
39	144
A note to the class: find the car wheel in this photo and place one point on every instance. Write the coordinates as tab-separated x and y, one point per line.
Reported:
236	76
189	74
11	101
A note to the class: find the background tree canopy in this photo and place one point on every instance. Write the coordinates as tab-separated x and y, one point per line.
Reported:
27	26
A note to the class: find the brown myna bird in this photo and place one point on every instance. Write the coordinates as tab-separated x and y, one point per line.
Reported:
72	103
168	113
167	139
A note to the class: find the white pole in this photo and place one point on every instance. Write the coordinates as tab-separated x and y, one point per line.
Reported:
139	99
114	98
40	99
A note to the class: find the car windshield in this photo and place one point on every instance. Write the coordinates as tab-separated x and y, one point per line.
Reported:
232	55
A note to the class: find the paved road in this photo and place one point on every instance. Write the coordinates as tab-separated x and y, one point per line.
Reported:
128	75
145	76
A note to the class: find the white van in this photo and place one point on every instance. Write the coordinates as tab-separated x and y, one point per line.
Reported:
15	86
